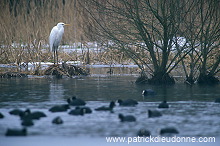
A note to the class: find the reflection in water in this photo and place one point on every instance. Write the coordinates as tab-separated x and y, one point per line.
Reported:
164	91
56	91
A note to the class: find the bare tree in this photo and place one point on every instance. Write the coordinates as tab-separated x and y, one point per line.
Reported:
209	40
202	32
148	26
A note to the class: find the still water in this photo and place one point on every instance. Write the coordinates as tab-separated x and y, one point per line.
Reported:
192	109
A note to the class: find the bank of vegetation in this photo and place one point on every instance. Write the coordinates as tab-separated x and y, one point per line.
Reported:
157	35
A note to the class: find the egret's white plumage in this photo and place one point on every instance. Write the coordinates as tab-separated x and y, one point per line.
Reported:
55	38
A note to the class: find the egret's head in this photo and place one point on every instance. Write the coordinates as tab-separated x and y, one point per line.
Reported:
61	24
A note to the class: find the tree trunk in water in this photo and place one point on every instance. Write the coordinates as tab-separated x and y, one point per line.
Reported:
142	79
207	79
190	80
161	78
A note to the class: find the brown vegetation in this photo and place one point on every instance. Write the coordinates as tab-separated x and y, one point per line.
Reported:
139	31
12	75
67	70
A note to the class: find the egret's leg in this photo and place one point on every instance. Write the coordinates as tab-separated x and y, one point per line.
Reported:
57	56
54	57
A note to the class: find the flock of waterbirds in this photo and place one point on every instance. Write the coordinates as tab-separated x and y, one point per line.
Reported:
27	117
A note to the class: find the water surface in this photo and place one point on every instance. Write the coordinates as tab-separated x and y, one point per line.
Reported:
192	109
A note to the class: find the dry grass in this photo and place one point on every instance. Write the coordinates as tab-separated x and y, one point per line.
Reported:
29	24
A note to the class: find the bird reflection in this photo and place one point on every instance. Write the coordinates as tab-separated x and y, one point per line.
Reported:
56	91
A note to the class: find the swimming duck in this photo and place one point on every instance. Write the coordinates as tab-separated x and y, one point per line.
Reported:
148	92
27	122
57	120
163	104
143	133
37	115
27	114
77	112
153	114
1	116
128	118
75	101
16	132
16	112
59	108
104	108
169	130
86	109
127	102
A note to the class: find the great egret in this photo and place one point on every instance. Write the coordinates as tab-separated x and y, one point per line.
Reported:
55	39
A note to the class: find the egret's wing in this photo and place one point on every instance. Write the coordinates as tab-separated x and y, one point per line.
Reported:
52	37
55	37
59	36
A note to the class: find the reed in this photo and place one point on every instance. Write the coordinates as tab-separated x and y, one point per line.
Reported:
25	26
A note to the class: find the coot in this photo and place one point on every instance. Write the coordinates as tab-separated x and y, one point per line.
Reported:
27	122
16	132
59	108
16	112
77	112
57	120
104	108
127	102
75	101
1	116
128	118
86	109
148	92
163	104
169	130
27	114
154	113
143	133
